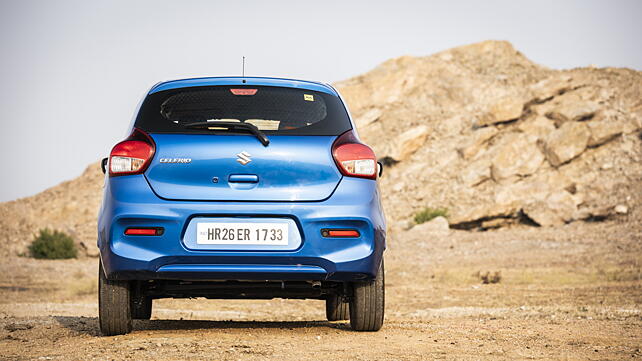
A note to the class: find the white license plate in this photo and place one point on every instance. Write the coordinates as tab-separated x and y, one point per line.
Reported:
270	234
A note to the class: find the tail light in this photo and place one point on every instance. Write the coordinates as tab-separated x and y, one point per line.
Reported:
354	159
133	155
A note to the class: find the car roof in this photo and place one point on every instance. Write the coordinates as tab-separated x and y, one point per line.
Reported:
237	80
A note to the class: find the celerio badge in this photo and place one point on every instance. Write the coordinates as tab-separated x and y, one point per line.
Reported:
243	157
176	160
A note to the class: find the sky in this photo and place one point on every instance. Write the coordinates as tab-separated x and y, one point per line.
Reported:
72	72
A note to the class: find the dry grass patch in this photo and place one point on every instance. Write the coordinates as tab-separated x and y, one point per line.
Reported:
555	277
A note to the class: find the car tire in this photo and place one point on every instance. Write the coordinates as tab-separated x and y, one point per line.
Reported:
336	309
114	312
368	303
141	308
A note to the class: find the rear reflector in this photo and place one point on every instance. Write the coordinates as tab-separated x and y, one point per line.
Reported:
144	231
340	233
243	91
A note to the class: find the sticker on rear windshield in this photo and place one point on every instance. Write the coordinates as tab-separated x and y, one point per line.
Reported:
308	97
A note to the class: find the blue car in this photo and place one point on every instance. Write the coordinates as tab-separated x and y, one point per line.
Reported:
241	188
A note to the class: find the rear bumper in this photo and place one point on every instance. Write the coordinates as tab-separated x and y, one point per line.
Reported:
129	202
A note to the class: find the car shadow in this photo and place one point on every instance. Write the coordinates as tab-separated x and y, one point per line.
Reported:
89	325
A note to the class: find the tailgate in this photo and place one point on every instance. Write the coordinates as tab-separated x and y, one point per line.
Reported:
237	167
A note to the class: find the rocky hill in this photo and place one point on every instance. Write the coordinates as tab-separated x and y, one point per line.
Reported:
496	139
478	130
70	206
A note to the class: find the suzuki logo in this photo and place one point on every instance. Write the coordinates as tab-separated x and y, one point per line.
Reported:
243	158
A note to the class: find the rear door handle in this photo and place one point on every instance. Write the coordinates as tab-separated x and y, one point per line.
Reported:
243	178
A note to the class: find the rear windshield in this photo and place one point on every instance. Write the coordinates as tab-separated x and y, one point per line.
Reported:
274	110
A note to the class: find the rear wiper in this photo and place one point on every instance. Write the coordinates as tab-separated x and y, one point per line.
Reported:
232	126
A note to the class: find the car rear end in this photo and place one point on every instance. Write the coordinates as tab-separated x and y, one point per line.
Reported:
284	205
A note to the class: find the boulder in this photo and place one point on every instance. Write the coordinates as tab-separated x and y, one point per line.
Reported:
550	87
517	154
368	117
476	172
573	109
566	142
516	195
409	142
557	209
513	196
538	126
474	144
603	131
437	225
503	110
621	209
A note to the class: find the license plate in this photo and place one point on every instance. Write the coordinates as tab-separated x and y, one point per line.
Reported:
270	234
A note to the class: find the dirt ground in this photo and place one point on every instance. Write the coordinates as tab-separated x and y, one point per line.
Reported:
573	292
